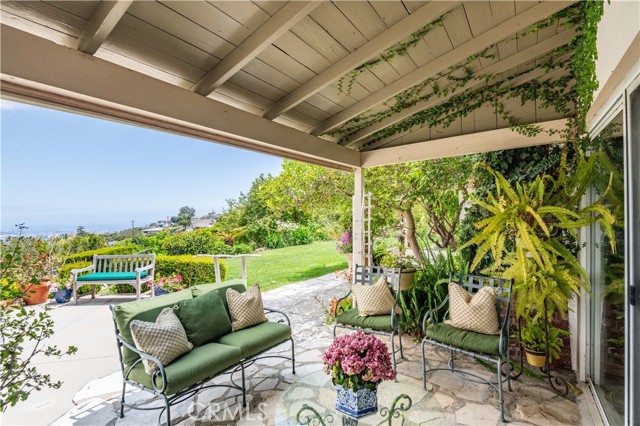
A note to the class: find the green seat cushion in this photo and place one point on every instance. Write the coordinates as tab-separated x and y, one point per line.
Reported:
143	310
378	322
191	368
204	318
464	339
111	276
237	285
253	340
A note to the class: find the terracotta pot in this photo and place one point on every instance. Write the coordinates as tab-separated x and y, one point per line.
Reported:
406	278
535	358
36	294
349	260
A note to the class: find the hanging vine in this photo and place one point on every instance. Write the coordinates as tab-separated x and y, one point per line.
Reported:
571	93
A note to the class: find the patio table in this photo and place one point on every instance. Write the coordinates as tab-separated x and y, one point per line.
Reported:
318	394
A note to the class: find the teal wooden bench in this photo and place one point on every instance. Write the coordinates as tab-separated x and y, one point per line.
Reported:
132	269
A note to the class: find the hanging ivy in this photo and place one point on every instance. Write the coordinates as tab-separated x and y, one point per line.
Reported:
577	59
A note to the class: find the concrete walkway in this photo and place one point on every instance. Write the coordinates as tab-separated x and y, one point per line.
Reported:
89	327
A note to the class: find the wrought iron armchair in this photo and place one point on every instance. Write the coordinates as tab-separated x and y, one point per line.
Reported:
489	348
387	325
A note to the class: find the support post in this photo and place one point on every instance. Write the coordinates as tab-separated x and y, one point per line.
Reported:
358	217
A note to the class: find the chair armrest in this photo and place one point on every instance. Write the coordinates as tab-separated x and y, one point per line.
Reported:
428	316
85	269
275	311
148	357
338	307
145	268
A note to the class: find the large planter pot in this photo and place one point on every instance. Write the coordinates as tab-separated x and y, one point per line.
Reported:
36	294
406	278
356	404
535	358
63	296
349	260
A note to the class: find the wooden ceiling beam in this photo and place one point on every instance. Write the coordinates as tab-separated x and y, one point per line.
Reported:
281	22
502	66
493	140
443	62
83	83
401	30
103	21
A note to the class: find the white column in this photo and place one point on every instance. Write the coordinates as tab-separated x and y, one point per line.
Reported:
358	217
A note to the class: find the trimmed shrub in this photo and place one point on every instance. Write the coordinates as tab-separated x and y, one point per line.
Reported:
196	242
194	270
87	256
64	272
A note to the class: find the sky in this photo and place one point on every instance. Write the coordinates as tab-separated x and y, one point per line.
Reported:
60	170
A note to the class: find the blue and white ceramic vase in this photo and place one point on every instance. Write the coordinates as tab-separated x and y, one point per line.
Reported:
159	291
356	404
63	296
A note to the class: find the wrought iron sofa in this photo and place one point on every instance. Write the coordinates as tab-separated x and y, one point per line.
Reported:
187	375
489	348
388	325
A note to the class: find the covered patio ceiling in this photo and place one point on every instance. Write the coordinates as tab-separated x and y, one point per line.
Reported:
335	83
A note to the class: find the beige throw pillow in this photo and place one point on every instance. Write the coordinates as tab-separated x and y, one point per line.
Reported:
374	299
245	308
165	339
474	313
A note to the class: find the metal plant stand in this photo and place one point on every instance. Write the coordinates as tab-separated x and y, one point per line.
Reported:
557	383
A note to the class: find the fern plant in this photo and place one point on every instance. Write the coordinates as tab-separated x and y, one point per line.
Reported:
530	229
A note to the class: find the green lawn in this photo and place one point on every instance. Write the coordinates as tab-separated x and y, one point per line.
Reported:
276	268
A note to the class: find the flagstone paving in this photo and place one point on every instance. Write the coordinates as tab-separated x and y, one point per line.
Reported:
461	402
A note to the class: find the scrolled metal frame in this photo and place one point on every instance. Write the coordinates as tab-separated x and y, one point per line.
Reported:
369	275
195	388
473	283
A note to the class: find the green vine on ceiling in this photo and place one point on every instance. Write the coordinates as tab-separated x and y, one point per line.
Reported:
386	56
555	93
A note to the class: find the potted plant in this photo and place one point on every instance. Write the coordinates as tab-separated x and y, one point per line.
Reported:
533	341
61	292
398	258
345	245
357	364
166	285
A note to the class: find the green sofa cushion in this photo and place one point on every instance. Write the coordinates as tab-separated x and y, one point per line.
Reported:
203	318
111	276
379	322
191	368
144	310
464	339
237	285
258	338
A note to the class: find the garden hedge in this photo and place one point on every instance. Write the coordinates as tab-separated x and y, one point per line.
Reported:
87	256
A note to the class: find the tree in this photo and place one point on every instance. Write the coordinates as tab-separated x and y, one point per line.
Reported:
80	231
185	215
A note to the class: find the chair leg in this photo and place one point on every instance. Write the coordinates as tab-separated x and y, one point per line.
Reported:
400	338
424	368
334	330
168	408
124	388
244	388
393	350
93	291
75	292
509	369
500	395
293	357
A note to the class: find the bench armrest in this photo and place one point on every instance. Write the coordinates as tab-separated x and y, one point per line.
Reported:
428	317
143	355
85	269
275	311
145	268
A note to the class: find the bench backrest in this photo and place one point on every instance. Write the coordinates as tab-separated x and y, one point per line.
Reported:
369	275
473	283
122	262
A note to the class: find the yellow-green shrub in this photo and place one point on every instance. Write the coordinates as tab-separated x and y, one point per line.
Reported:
194	270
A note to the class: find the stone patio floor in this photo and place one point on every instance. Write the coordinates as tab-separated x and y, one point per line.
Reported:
464	402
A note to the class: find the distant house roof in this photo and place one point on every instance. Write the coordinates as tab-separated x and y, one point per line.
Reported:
202	222
152	231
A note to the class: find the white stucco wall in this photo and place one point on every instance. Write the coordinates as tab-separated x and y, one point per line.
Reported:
619	26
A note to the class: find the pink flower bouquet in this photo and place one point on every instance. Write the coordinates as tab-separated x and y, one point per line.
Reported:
358	360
